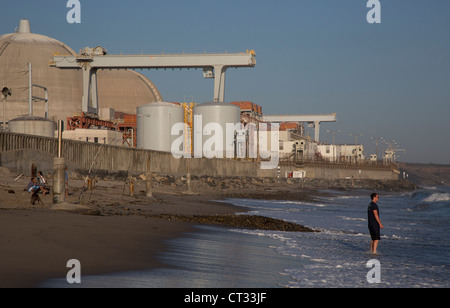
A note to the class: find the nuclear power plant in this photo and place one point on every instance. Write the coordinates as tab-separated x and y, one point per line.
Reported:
102	100
65	89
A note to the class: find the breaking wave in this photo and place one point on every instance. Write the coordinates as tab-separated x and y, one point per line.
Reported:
437	197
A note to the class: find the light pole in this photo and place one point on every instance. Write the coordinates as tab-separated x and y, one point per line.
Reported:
356	137
356	145
390	151
5	93
333	132
376	144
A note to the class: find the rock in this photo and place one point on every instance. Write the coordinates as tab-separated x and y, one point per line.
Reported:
240	221
143	177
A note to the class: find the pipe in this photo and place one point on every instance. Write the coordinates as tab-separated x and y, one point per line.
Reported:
60	124
30	91
4	113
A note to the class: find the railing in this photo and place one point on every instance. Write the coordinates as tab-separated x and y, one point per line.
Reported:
14	142
110	158
80	153
115	158
363	164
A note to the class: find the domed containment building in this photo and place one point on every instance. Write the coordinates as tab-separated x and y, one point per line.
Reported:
121	90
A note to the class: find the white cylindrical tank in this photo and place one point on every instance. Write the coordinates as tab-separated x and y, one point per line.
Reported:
210	114
32	126
154	125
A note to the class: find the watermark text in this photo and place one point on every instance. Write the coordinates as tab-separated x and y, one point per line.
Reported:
374	14
234	140
374	275
74	14
74	275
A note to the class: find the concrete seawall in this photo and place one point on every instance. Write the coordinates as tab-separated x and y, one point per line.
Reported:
18	152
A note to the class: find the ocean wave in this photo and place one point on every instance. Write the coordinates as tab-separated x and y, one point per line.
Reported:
269	204
437	197
350	197
297	203
352	218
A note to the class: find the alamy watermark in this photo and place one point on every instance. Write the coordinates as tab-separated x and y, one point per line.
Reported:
74	14
234	140
74	275
374	275
374	14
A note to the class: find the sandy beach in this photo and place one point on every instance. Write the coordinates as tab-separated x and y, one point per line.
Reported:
109	230
105	228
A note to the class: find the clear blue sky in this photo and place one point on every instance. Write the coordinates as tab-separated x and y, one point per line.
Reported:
313	56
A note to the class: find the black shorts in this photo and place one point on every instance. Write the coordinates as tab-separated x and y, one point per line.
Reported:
374	232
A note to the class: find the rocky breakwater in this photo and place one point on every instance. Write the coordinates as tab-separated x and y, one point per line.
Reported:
239	221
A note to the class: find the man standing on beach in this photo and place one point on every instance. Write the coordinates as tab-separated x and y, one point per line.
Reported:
374	222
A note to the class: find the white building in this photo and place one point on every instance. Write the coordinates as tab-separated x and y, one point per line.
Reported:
330	152
352	153
304	148
102	136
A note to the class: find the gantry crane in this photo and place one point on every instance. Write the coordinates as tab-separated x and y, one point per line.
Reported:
90	60
313	119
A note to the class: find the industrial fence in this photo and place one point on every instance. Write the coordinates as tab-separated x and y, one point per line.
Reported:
84	156
359	164
14	142
17	151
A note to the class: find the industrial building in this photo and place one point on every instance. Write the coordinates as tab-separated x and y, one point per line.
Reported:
20	49
101	99
28	67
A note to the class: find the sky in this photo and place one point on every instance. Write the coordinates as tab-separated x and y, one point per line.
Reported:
388	79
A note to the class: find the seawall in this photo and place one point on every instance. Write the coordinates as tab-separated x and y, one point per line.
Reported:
18	152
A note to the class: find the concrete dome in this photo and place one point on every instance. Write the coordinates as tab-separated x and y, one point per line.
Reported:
121	90
125	90
64	87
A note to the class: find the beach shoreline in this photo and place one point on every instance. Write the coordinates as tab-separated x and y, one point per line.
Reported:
108	230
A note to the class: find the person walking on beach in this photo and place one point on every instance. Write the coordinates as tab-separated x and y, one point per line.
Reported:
374	222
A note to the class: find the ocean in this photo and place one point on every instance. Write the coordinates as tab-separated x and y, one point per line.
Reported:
414	251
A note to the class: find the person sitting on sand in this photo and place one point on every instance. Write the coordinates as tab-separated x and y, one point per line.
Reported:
33	188
42	183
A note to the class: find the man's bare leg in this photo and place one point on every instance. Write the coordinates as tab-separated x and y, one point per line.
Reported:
374	246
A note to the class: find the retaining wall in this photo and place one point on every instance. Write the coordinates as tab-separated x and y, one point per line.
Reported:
18	152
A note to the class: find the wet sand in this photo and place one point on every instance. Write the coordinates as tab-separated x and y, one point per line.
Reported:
106	229
109	231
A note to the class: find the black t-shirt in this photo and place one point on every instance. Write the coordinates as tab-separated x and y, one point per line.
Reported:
372	207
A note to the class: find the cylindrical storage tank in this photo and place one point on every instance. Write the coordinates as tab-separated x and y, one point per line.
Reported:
154	125
32	126
209	119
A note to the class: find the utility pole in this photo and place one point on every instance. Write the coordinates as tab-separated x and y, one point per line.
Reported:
356	137
356	145
376	144
5	93
333	132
